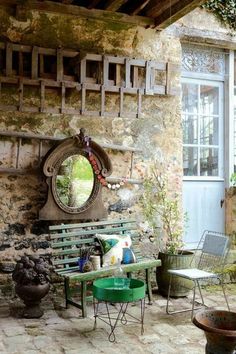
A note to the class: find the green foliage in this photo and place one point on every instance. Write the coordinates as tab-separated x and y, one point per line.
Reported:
160	210
233	179
225	10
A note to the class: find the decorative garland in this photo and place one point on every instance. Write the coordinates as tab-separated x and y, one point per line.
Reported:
225	10
97	171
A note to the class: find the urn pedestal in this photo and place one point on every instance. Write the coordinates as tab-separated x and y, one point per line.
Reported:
31	296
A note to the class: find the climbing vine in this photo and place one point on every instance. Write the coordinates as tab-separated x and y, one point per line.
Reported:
225	10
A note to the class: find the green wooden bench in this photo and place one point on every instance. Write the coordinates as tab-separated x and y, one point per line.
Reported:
66	241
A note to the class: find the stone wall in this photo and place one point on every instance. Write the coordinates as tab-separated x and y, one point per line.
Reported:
158	133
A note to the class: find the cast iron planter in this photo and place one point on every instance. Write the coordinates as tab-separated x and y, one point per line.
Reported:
31	275
31	296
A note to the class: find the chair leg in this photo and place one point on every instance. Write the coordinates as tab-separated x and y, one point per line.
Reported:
200	292
168	296
196	283
223	289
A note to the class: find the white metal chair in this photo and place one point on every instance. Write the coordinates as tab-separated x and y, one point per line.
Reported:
209	258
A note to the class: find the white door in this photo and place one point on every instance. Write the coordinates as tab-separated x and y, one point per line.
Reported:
203	157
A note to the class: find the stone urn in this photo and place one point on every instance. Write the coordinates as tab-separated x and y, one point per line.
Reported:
31	275
31	296
220	330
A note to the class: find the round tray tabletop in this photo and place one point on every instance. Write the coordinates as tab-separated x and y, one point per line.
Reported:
117	289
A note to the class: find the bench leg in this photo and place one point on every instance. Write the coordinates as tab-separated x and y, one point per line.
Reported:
149	288
129	275
67	291
83	298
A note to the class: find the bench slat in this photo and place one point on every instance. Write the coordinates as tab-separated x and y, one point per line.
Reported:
91	224
106	271
92	232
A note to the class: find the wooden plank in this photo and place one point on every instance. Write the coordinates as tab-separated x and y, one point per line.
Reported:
20	66
63	97
118	80
82	71
47	51
59	65
52	138
21	93
83	98
115	60
9	59
41	65
102	100
177	10
137	62
94	57
139	103
114	5
135	77
21	48
42	97
82	12
34	63
121	101
127	73
93	4
138	8
105	71
18	171
18	152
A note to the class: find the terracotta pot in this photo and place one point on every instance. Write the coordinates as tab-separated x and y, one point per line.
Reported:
32	295
220	330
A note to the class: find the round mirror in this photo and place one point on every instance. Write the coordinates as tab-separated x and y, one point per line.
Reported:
74	181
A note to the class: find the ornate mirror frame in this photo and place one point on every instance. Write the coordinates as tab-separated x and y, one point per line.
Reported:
93	208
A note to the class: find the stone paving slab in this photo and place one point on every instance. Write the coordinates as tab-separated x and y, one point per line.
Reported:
63	331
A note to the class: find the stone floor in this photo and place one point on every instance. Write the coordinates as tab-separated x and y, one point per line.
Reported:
64	331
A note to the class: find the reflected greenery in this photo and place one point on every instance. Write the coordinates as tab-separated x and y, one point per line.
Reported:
75	181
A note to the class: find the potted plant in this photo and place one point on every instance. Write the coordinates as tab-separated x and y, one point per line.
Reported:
31	275
165	218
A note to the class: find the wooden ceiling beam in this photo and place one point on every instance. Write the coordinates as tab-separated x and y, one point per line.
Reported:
114	5
138	8
102	15
156	7
175	12
93	4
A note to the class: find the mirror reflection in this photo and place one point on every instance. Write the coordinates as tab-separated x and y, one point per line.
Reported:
75	181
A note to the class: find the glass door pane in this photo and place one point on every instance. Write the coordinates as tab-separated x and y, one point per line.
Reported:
201	128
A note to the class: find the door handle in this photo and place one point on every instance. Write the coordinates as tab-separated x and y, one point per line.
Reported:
222	203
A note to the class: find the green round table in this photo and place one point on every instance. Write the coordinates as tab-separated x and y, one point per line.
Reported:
119	291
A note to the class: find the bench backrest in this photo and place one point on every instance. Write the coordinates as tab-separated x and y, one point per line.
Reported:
67	239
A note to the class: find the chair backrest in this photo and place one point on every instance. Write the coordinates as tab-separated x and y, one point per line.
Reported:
214	248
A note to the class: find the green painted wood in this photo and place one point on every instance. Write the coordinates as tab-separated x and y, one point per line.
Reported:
112	230
92	224
65	261
74	274
77	235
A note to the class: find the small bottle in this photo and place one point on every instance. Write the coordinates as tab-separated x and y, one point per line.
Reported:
119	276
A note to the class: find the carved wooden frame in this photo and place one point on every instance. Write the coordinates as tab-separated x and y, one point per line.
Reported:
93	208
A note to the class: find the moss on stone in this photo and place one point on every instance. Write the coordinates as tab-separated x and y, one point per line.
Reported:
43	32
4	21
